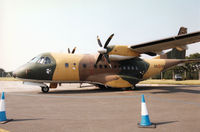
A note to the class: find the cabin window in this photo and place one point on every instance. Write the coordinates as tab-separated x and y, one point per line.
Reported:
100	66
124	67
132	68
95	66
105	66
66	65
128	67
74	64
84	65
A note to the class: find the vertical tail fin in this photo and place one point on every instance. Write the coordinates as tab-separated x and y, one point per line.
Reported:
178	52
182	31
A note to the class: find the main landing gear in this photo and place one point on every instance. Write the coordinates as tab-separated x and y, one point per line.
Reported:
102	87
45	89
131	88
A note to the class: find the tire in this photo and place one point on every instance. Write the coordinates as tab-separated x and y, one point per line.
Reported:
133	87
101	86
45	89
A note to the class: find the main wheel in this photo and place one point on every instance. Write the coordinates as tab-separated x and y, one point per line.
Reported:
130	88
45	89
133	87
101	86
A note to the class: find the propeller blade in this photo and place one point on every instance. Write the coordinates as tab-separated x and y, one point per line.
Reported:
108	40
68	51
99	58
73	51
107	59
99	42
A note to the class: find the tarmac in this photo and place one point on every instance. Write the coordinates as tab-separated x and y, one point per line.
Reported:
69	108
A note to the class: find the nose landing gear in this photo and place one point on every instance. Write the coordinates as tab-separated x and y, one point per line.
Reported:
45	89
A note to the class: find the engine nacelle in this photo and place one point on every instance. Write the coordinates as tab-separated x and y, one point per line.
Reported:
122	50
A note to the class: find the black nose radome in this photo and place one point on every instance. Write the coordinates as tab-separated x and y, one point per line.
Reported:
20	73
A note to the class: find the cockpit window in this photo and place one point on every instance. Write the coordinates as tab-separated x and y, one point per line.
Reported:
47	60
41	60
44	60
34	60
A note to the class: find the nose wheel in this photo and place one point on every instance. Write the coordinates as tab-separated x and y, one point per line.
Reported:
45	89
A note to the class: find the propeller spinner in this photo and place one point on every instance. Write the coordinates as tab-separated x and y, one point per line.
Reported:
103	52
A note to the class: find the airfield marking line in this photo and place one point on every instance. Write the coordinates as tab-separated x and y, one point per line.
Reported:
3	130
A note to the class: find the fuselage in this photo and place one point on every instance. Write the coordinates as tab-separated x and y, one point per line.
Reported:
63	68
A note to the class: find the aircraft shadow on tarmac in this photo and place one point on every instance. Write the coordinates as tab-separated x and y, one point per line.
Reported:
83	91
158	90
169	89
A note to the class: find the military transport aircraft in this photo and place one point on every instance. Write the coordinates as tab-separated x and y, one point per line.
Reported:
116	66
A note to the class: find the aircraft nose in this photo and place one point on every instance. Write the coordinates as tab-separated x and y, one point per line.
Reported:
20	73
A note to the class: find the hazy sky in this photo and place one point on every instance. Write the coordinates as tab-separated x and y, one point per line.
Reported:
30	27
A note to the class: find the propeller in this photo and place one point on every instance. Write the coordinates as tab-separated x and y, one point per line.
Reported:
73	51
103	51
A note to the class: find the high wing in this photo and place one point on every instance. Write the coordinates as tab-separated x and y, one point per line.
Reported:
179	42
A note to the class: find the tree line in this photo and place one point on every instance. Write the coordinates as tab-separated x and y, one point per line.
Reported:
3	73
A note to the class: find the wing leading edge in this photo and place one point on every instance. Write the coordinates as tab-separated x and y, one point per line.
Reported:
167	43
